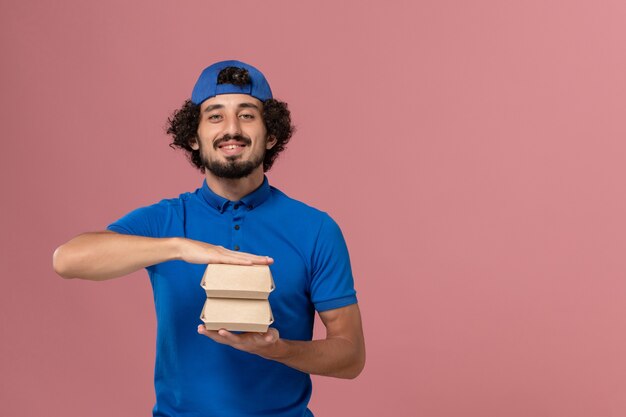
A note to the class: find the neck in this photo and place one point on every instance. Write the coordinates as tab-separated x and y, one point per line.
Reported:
234	189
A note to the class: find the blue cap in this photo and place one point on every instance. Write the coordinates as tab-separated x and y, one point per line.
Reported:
207	86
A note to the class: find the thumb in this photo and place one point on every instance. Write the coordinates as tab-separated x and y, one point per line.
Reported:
272	335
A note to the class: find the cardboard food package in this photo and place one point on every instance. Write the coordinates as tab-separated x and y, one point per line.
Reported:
237	297
237	314
238	281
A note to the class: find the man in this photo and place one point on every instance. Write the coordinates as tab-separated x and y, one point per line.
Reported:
233	130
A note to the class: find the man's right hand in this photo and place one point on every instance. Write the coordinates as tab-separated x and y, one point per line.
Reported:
104	255
196	252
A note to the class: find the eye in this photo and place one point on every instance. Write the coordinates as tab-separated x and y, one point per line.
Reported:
247	116
214	117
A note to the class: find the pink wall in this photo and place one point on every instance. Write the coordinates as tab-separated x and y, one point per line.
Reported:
473	153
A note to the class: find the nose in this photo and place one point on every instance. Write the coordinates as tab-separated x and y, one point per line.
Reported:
232	126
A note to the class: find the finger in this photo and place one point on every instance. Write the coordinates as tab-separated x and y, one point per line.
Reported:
244	258
230	257
230	337
263	260
232	261
203	330
257	259
272	335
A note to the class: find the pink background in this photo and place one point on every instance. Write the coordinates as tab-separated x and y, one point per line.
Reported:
472	152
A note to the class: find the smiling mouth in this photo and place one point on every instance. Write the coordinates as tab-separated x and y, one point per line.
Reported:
230	147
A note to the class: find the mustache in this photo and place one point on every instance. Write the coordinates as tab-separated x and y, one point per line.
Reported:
240	138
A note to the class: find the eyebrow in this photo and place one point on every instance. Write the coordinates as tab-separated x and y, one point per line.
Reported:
221	106
248	105
212	107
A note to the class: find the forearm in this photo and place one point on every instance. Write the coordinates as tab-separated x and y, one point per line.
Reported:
336	357
341	354
99	256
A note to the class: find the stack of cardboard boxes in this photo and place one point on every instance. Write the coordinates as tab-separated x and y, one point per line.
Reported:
237	297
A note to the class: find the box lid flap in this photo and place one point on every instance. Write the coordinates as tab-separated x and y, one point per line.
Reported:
234	310
238	278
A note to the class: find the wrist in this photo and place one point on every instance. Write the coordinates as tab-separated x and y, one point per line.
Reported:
176	248
278	351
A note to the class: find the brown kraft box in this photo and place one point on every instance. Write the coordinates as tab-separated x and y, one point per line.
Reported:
237	297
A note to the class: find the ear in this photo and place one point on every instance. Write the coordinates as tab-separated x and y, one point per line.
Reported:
193	143
271	142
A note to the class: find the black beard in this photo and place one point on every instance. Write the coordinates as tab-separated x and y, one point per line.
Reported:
232	169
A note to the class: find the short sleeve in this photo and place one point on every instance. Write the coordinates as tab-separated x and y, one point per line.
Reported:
144	221
332	284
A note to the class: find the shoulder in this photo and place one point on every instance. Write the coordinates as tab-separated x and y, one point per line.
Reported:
152	220
176	207
296	206
311	221
164	206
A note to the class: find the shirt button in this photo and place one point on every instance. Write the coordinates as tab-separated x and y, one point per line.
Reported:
236	206
236	227
250	207
236	247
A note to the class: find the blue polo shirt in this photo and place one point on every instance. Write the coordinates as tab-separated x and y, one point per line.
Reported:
197	377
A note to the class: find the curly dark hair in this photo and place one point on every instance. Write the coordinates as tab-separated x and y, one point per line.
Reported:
183	123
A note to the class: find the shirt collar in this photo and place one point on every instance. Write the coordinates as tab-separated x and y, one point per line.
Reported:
252	200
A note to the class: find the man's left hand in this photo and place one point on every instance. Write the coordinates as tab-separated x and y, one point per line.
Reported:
261	344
